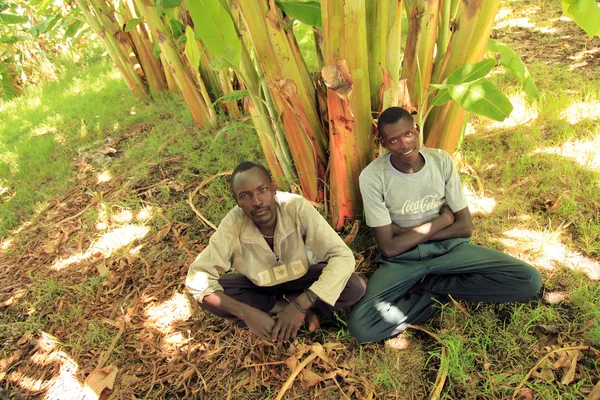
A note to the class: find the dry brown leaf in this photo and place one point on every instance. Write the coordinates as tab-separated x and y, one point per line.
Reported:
545	374
103	270
562	362
310	378
570	375
292	361
162	233
51	246
318	349
525	393
595	393
99	380
337	77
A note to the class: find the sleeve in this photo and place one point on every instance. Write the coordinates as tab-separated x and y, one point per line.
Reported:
376	212
326	246
203	275
455	196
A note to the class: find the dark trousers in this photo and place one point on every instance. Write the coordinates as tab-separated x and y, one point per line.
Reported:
405	288
240	288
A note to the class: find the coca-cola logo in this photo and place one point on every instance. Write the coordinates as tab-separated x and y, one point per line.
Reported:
427	203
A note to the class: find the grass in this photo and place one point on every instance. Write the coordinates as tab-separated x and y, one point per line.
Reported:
538	170
41	131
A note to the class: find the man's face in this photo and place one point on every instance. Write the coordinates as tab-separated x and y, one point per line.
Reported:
254	192
402	139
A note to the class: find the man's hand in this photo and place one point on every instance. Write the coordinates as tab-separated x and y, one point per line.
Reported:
259	322
447	214
290	320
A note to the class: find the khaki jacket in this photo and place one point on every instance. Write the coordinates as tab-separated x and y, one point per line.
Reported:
302	238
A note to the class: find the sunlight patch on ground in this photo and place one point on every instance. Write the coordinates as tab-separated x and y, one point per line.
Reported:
6	244
104	176
145	214
479	204
546	249
123	217
583	152
555	297
106	245
11	159
15	105
522	114
64	385
164	315
522	22
581	110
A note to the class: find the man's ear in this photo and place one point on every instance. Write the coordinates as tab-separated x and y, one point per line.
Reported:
417	128
274	185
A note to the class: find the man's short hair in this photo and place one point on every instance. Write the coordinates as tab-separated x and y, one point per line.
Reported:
391	116
245	166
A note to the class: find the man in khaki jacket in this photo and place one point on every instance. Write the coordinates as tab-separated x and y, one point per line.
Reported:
288	260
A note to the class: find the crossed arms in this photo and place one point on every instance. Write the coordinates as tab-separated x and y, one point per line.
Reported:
393	240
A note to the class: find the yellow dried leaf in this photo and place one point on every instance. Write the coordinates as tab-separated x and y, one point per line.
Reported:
162	233
595	393
309	377
570	375
545	374
51	246
99	380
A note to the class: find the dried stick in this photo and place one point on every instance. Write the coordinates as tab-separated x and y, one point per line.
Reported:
190	199
106	354
442	374
295	373
535	367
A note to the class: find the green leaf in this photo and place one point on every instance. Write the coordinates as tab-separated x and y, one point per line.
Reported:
585	13
9	39
308	12
132	23
215	27
192	52
6	87
73	28
471	72
156	50
176	28
8	19
45	26
442	97
171	3
232	96
42	8
482	97
3	68
530	88
511	61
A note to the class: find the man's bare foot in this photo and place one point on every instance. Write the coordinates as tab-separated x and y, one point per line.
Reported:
399	342
312	320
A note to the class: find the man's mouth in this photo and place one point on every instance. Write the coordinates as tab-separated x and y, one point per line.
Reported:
260	211
408	152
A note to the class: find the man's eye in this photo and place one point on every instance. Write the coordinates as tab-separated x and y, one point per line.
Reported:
243	196
393	141
262	190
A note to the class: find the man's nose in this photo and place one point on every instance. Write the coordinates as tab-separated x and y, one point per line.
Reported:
256	200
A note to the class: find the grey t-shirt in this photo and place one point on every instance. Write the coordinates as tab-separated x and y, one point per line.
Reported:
410	200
